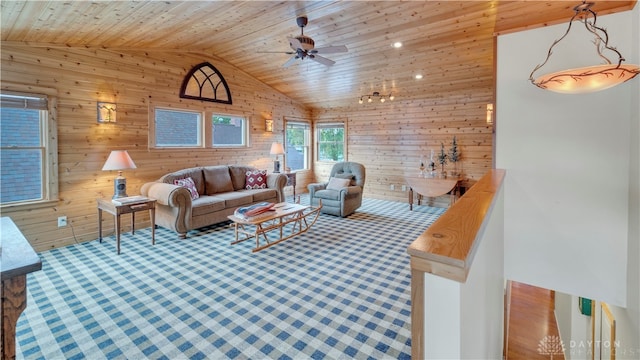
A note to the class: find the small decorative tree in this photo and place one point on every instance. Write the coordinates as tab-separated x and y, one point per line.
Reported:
454	155
442	158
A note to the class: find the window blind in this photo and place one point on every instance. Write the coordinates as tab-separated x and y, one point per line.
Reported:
23	101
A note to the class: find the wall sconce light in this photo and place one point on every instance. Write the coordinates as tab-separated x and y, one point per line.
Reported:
589	78
106	112
490	114
374	95
268	124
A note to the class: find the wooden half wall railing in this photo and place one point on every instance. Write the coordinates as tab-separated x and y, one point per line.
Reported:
448	247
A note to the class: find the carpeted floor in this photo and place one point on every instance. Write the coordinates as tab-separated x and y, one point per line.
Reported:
341	290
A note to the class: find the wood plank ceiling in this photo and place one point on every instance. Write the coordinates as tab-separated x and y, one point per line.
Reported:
449	42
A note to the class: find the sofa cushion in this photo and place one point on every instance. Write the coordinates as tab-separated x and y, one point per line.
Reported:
347	176
256	179
235	198
207	205
189	185
337	183
328	194
194	173
263	194
217	179
239	175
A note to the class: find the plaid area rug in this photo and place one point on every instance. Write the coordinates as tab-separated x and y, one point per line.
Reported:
341	290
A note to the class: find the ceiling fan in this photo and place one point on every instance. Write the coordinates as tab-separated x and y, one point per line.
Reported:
304	47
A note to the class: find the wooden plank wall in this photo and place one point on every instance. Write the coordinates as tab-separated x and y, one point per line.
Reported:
133	81
391	138
388	138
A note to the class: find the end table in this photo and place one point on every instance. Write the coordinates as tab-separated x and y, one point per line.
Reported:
140	204
291	181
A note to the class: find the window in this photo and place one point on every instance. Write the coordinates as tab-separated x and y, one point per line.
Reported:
28	149
177	128
228	130
297	139
331	142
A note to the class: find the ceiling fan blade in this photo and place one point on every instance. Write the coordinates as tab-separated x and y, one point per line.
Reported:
276	52
295	44
290	61
330	50
321	60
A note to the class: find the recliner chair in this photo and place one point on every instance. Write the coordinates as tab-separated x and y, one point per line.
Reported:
340	199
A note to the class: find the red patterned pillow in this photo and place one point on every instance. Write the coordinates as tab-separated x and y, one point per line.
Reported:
190	185
256	179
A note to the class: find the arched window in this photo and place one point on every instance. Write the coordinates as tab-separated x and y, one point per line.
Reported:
204	82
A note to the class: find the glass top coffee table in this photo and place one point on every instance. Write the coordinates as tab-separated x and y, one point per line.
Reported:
283	222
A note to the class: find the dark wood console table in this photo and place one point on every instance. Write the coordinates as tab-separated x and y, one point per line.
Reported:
18	259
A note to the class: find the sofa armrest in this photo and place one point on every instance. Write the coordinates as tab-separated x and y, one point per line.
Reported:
173	208
277	181
315	187
351	190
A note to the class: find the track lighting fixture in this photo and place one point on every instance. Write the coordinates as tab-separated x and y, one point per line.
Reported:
374	95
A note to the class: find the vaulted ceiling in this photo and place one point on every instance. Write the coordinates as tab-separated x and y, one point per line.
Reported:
449	42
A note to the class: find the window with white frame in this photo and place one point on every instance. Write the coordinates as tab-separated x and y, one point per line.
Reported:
331	141
228	130
28	149
297	145
178	128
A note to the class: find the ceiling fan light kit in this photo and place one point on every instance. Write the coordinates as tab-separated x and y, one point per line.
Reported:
304	47
589	78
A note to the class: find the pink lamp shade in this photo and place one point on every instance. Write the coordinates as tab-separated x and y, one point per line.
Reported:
119	160
276	149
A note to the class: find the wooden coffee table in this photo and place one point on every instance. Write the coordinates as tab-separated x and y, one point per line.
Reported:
286	220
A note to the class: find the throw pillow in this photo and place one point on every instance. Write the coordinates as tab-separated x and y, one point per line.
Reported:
190	185
256	179
337	183
347	176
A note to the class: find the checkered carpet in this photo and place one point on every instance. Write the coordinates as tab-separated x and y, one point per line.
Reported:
341	290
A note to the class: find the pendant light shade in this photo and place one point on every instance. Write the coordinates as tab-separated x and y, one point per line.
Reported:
589	78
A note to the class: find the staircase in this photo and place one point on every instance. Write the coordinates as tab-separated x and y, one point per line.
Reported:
531	329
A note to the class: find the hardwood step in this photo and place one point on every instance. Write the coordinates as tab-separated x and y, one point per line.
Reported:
531	324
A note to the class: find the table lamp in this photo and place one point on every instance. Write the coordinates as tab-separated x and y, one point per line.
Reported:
119	160
276	149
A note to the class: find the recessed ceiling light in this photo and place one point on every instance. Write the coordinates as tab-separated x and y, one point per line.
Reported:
418	76
397	44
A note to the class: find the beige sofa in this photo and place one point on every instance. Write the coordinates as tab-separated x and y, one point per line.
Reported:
221	190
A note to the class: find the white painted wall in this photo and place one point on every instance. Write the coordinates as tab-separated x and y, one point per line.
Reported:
568	169
465	320
482	295
563	318
629	320
575	328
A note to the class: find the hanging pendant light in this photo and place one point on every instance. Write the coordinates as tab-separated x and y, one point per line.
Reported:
590	78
